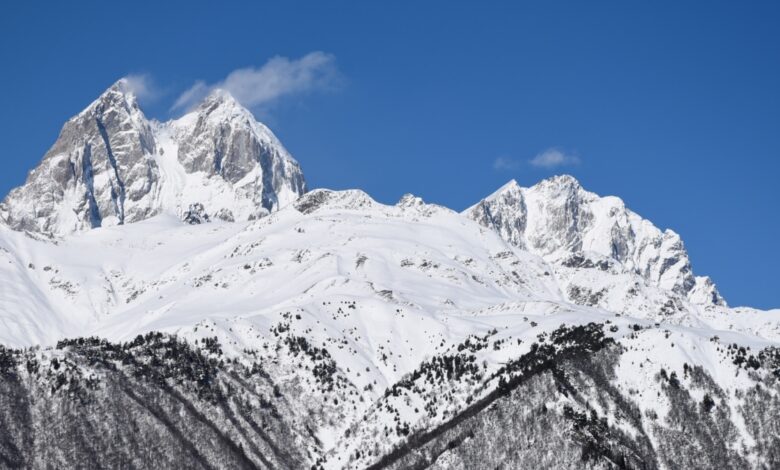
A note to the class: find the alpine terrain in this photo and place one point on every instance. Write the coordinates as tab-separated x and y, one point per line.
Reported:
172	296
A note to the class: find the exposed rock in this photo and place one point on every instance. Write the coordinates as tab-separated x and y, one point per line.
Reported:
112	166
557	217
196	214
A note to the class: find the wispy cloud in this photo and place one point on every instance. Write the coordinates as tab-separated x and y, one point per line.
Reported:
262	86
142	86
550	158
506	163
553	158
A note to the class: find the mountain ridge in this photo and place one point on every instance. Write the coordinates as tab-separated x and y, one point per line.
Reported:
211	309
557	217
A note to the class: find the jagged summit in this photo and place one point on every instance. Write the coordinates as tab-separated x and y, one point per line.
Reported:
119	90
221	105
111	165
553	185
564	180
556	218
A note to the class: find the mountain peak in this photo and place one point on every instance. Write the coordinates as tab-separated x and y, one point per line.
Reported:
557	218
409	200
220	108
120	89
122	85
221	103
220	97
567	182
118	97
511	187
111	166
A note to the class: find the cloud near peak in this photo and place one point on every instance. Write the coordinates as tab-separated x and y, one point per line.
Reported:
279	77
550	158
141	86
505	163
553	158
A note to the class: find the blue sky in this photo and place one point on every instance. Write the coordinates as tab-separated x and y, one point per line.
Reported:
673	106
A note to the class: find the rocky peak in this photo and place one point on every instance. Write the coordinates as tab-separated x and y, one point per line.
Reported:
320	199
95	174
410	200
108	167
221	104
557	218
119	95
559	184
504	211
221	138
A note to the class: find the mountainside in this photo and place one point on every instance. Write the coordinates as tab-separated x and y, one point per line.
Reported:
112	166
544	327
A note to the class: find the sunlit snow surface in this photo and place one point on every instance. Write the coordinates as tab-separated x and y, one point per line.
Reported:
382	288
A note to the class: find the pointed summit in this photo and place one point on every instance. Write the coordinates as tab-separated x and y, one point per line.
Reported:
558	184
112	166
220	95
222	138
563	180
219	98
121	86
503	211
220	108
118	96
511	187
96	173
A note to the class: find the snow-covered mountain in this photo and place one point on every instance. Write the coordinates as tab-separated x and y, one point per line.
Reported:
558	219
544	327
112	166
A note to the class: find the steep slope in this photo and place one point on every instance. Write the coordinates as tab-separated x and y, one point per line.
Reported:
557	218
112	166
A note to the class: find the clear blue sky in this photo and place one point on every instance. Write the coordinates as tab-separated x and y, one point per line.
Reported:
675	108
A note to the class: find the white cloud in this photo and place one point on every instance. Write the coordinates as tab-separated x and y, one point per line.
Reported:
277	78
194	94
552	158
141	86
505	163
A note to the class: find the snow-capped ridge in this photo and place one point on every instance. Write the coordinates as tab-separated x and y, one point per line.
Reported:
370	319
350	199
510	187
557	217
409	203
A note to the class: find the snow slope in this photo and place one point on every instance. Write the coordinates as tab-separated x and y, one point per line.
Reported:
382	288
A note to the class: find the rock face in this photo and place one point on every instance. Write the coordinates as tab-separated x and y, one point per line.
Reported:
557	218
112	166
222	139
100	171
